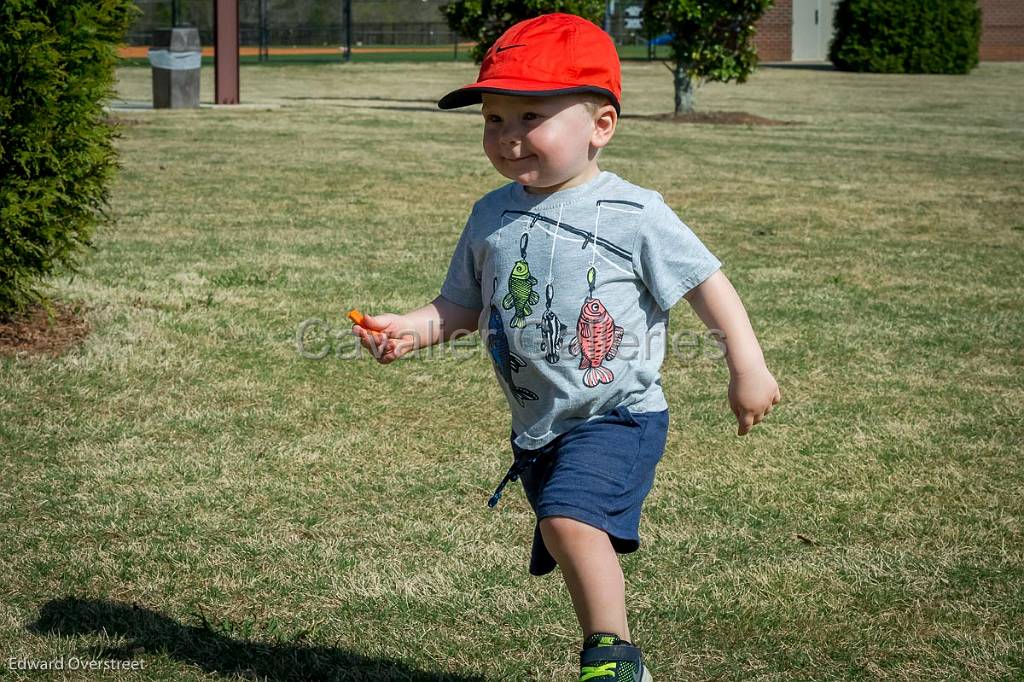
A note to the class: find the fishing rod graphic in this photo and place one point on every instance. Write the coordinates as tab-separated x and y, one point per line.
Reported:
588	237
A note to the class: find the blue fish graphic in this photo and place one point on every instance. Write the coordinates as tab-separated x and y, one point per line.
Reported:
504	359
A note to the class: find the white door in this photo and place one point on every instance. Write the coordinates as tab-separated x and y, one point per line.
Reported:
812	29
826	13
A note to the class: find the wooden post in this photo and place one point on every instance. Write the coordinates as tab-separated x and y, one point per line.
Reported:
225	51
346	13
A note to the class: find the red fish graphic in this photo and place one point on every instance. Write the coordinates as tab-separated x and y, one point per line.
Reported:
598	338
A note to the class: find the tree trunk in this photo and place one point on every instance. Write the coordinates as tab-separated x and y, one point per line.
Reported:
684	89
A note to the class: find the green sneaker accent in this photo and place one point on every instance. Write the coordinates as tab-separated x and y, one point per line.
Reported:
611	671
603	639
590	672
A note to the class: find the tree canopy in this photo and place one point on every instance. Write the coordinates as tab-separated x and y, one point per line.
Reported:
485	20
711	40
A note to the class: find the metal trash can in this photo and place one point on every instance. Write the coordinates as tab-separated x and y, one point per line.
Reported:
175	58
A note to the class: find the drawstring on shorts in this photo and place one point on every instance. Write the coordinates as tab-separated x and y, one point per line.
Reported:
520	463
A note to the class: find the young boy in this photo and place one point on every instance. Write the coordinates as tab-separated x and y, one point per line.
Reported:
572	271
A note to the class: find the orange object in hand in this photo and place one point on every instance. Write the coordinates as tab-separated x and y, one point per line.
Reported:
356	317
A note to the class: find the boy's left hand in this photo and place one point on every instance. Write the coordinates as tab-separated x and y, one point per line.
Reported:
752	394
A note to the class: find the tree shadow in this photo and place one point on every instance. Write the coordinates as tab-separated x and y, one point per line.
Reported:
420	100
800	66
151	632
353	103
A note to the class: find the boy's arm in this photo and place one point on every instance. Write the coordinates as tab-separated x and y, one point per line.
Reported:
439	319
389	336
752	388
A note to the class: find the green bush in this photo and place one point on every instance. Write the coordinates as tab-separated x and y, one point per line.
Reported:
906	36
56	152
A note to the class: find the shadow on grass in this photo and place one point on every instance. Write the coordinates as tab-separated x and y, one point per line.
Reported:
201	646
352	103
799	66
419	100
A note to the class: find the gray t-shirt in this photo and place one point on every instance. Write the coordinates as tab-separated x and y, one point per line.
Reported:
574	290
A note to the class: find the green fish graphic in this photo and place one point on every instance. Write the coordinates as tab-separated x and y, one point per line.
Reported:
520	293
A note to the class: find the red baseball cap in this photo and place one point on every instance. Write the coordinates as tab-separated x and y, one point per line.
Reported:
553	54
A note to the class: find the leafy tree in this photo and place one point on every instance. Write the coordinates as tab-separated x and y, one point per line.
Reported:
57	58
711	40
907	36
485	20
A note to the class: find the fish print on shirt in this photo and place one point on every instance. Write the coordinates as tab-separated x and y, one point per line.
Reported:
552	330
597	339
520	293
504	359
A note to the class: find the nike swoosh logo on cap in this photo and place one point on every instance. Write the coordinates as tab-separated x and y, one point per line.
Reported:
507	47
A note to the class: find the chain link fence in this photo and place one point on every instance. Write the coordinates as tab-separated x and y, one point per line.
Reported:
315	30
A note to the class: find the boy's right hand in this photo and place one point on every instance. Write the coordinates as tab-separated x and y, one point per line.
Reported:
386	336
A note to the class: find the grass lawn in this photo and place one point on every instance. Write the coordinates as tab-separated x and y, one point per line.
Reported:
186	491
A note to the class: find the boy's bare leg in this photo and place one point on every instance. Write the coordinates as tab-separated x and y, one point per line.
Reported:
592	573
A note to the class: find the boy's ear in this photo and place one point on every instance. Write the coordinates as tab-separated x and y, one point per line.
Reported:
605	119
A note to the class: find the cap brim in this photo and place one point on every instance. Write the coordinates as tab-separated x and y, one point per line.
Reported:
471	94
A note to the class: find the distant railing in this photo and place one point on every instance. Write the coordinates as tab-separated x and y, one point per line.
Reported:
377	33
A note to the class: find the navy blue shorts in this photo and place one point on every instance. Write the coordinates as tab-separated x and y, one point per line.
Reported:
598	473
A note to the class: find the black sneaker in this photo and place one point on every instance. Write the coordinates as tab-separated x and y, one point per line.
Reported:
607	657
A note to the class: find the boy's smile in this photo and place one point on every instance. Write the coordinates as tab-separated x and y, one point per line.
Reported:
545	143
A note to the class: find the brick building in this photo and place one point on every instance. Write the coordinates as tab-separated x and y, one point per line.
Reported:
800	30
